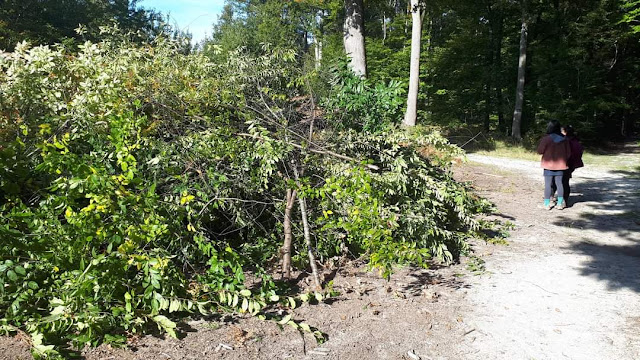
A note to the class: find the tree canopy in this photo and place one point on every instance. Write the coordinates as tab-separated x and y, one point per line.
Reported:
581	66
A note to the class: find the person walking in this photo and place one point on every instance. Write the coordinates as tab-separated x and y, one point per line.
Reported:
574	161
555	151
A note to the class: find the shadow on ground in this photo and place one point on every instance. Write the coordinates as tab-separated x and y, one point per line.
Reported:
610	209
422	279
617	265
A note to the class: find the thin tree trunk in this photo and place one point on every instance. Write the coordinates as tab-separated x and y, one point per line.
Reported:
384	27
354	36
307	236
288	235
414	72
317	39
318	53
498	79
490	76
397	8
522	62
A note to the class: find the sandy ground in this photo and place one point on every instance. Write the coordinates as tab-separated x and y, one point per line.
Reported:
566	287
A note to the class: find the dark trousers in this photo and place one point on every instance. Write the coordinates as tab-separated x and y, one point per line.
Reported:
566	176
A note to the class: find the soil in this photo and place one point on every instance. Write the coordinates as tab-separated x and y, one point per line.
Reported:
565	287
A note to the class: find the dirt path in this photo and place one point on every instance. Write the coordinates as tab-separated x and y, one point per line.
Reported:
568	285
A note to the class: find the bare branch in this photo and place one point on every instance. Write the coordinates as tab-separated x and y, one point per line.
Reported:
317	151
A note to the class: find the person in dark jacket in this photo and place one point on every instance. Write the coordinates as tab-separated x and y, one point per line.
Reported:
575	160
556	151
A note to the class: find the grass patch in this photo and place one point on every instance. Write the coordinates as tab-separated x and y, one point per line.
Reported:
476	265
507	150
598	158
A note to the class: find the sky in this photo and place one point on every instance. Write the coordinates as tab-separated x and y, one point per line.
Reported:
195	16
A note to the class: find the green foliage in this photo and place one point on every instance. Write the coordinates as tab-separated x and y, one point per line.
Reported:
632	14
409	211
357	103
140	183
54	21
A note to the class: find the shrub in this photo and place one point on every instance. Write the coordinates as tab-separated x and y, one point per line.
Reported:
139	183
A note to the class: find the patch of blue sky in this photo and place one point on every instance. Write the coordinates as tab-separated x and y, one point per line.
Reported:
194	16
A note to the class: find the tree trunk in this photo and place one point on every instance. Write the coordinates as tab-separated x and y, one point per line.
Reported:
414	72
307	235
490	76
354	36
288	235
522	62
493	13
384	27
318	53
318	39
307	238
502	126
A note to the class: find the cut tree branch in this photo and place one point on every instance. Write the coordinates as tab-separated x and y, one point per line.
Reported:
316	151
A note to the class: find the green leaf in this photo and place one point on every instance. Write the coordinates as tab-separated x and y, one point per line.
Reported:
245	293
285	319
20	270
166	324
175	305
12	275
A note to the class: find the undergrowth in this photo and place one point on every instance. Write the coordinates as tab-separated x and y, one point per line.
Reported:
139	185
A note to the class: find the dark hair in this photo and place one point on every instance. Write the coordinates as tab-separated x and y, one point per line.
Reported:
553	127
569	130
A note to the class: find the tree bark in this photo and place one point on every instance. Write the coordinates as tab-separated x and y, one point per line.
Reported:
354	36
384	27
522	62
288	235
414	72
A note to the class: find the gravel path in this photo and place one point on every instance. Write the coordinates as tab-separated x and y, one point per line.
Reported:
567	286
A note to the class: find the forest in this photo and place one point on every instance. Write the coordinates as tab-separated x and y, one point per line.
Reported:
145	178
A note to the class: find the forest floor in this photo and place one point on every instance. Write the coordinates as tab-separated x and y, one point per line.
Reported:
567	286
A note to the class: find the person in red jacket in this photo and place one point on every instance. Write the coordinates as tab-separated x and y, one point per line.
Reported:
574	161
556	151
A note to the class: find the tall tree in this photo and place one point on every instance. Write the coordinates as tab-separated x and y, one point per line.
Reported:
50	21
414	72
497	35
354	36
516	125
